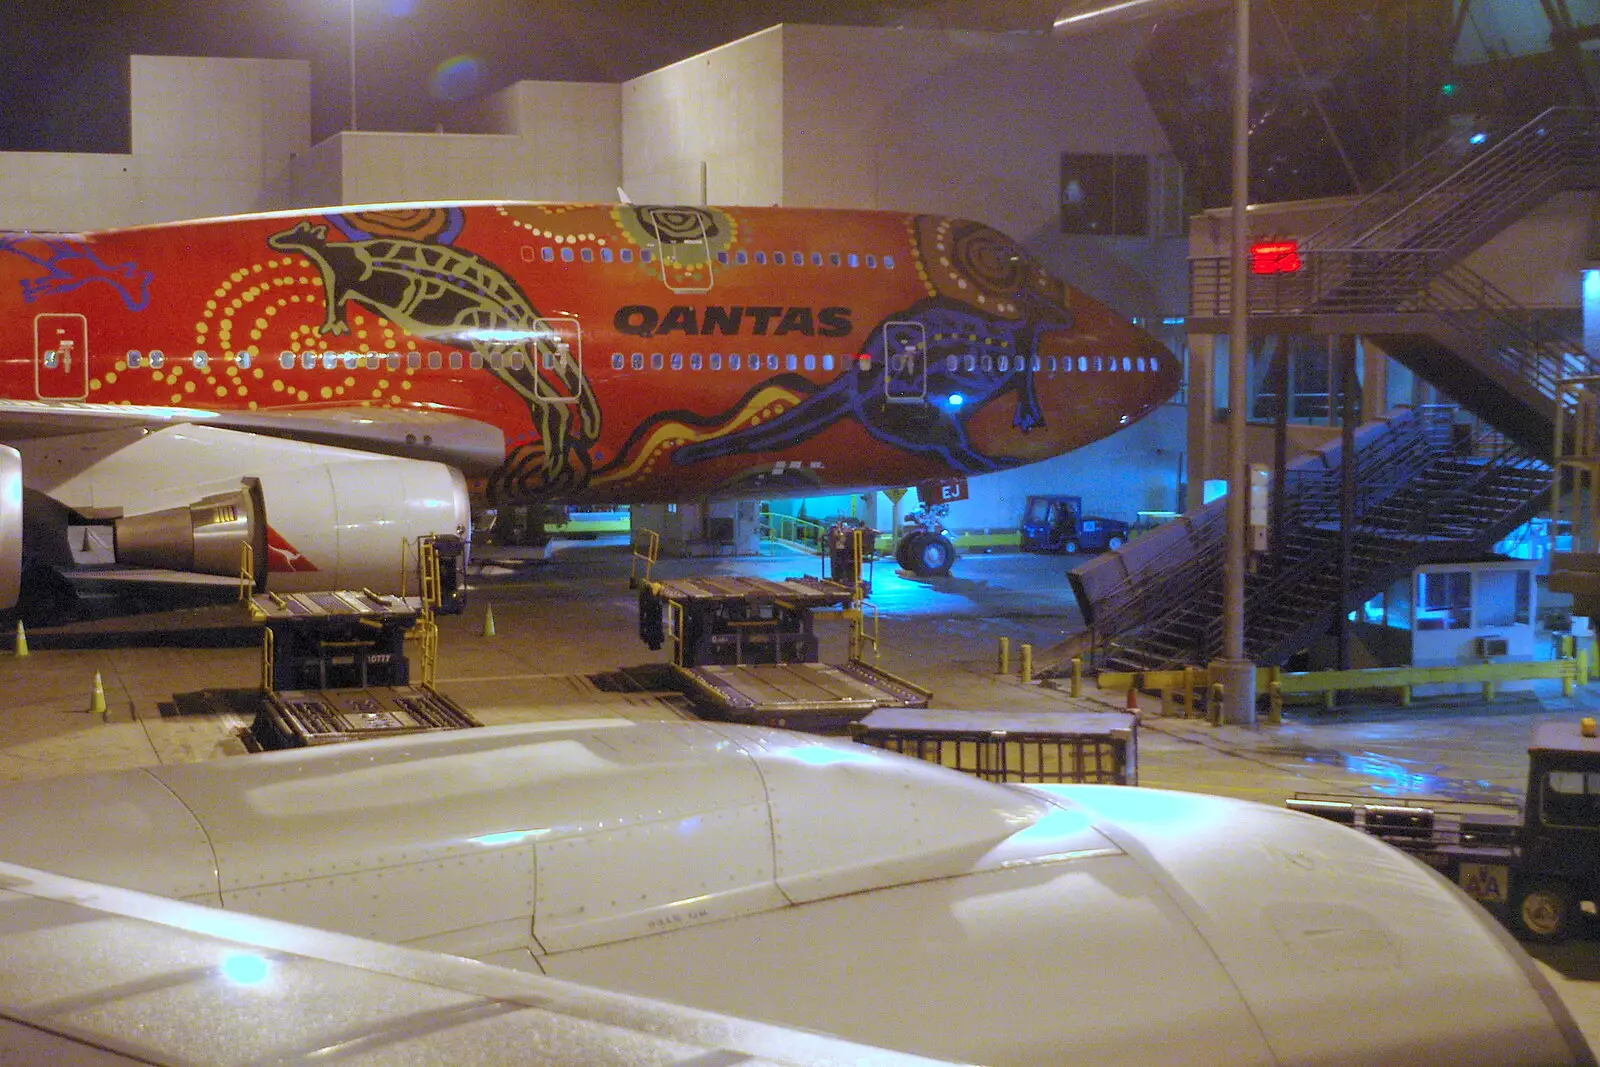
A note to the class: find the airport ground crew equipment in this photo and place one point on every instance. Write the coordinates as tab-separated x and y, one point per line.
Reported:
1097	747
1533	867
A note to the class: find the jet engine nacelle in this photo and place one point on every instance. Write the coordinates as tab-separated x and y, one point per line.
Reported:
832	887
186	498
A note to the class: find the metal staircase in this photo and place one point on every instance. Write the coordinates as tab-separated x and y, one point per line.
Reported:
1389	269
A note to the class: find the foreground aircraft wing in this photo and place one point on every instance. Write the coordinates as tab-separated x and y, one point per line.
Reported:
95	975
461	442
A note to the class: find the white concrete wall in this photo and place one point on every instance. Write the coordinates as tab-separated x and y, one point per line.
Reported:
209	137
723	109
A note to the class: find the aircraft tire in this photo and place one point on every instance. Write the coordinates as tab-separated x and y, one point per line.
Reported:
1545	911
931	555
902	550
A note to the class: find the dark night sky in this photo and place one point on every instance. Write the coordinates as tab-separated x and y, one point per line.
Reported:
63	68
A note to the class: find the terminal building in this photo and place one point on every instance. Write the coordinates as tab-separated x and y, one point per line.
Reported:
1086	146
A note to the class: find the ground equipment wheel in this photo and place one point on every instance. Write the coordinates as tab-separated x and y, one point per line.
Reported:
1545	911
1070	548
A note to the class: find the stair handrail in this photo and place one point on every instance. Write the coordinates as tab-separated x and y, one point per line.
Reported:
1456	164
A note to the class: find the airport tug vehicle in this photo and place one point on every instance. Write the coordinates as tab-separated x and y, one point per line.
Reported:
1533	867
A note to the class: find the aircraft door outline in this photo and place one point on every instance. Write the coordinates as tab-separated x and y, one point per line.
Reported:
558	347
60	356
700	275
905	362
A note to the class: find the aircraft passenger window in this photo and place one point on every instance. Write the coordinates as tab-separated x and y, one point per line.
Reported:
716	361
497	359
872	261
952	363
1140	364
433	361
733	361
516	359
988	363
772	361
644	255
201	361
1005	364
474	360
722	257
827	361
833	259
677	361
638	361
605	255
455	361
1127	363
285	360
1097	363
888	263
371	362
616	361
694	361
972	362
854	260
655	361
1083	362
1037	367
414	360
547	254
157	358
811	361
792	361
566	255
245	357
761	258
816	259
777	257
392	361
741	259
135	358
588	255
627	255
352	361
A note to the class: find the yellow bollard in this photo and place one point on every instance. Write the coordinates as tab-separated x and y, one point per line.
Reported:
1077	676
97	699
1405	696
1583	666
1005	656
1488	692
1328	701
1567	685
1166	702
1274	702
22	640
1025	663
1215	710
488	620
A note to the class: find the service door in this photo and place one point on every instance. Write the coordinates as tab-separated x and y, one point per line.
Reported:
905	362
559	344
681	242
61	357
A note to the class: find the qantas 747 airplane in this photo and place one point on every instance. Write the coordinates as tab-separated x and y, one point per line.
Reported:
327	385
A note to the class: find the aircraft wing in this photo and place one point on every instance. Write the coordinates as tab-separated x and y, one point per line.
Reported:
464	443
96	975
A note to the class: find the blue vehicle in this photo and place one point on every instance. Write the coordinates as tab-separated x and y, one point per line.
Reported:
1057	524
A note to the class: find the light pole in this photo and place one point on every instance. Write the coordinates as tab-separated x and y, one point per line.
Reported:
1238	674
353	126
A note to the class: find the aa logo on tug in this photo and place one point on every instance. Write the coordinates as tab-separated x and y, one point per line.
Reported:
641	320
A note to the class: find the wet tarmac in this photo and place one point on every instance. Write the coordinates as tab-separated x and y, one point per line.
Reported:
565	644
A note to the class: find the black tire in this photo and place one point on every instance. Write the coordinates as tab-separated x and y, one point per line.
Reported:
1113	543
931	555
1070	548
1545	911
903	547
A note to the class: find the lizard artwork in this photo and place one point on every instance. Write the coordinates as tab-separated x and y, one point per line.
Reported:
451	296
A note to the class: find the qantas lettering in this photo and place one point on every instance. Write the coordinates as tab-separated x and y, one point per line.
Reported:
642	320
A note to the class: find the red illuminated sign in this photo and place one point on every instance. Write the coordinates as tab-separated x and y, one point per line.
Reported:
1274	257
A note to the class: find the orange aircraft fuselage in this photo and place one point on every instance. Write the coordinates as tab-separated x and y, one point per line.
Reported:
627	353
